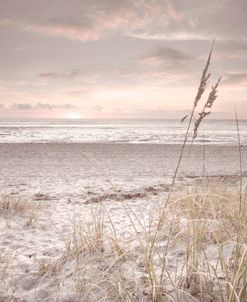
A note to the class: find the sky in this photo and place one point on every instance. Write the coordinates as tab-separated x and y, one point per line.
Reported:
120	59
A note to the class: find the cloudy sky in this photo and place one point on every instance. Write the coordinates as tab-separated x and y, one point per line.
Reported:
119	59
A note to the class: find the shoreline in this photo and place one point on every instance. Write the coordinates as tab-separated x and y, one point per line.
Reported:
206	144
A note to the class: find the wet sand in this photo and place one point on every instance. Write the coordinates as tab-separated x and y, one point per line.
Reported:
76	171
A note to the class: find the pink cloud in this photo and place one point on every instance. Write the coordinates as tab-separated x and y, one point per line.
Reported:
235	79
105	19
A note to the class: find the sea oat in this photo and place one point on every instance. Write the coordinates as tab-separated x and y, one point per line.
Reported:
208	104
204	79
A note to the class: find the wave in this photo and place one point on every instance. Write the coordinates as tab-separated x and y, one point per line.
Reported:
129	132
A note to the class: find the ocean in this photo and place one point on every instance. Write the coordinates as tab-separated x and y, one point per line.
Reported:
118	131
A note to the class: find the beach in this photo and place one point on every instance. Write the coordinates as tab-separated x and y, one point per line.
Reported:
60	199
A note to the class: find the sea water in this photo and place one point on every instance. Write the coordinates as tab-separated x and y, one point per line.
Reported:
119	131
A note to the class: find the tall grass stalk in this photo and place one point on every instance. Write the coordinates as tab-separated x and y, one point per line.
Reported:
212	96
240	163
200	91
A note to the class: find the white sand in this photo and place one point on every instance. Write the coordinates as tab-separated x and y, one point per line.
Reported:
37	262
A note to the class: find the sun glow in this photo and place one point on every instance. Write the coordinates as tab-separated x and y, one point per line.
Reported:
73	115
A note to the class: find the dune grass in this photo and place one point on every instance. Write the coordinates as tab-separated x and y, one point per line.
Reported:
15	206
199	253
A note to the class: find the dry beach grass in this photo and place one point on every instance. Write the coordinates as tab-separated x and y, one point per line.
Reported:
199	252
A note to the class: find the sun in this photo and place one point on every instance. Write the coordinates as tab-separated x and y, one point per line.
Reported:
73	115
